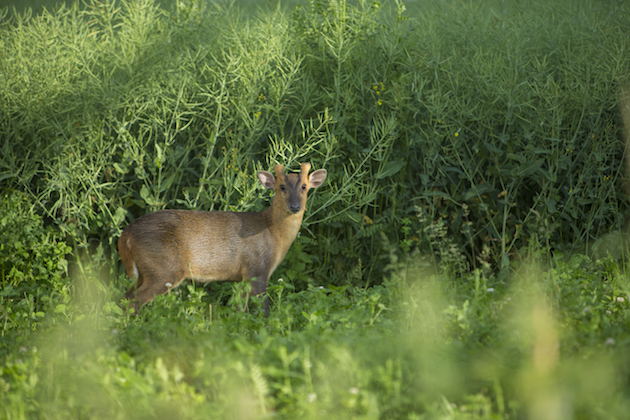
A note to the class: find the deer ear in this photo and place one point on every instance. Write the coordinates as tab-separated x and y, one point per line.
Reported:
267	179
317	178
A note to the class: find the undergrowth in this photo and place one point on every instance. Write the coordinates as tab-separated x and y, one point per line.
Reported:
471	149
549	343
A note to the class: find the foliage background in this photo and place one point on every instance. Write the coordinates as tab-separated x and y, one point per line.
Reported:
463	136
505	128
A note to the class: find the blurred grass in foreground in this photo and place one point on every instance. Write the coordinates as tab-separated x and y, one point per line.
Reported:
421	346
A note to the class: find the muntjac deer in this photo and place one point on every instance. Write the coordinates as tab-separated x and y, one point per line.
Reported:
162	249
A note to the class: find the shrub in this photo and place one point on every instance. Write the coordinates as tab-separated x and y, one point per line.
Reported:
33	268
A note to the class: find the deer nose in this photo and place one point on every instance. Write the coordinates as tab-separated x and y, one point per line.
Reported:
295	207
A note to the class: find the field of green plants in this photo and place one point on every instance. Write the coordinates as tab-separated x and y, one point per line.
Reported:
467	257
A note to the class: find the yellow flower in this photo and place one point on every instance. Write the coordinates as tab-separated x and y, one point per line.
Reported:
456	134
380	103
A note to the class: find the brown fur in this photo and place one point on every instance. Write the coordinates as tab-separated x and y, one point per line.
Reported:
168	246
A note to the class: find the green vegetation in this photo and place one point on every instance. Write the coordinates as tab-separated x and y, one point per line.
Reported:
471	150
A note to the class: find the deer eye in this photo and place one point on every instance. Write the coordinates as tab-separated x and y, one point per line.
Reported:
303	186
283	187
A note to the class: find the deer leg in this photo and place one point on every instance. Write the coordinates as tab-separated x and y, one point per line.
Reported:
258	287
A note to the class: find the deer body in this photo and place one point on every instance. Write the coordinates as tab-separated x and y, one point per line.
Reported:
162	249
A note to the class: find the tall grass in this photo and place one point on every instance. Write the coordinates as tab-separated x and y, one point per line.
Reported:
500	119
467	145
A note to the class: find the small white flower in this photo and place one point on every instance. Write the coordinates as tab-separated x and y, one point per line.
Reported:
490	290
311	397
114	331
608	312
620	299
23	349
586	309
169	285
610	341
354	390
280	281
321	287
509	299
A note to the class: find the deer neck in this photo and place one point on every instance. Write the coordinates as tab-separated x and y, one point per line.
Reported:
284	225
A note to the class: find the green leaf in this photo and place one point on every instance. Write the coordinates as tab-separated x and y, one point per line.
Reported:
304	257
145	193
166	184
160	156
119	168
477	191
391	168
493	149
529	168
505	261
119	215
436	194
514	156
